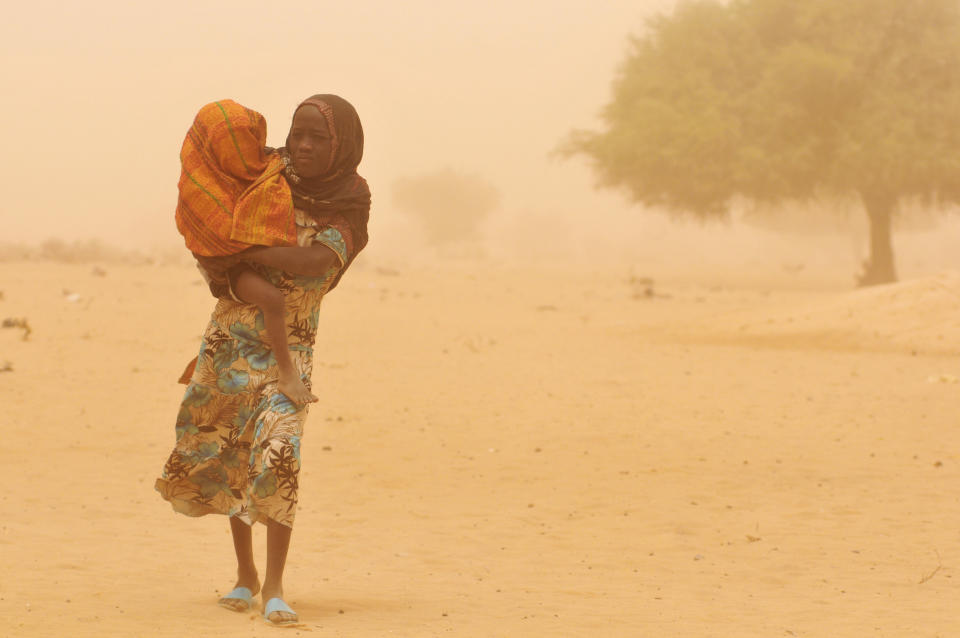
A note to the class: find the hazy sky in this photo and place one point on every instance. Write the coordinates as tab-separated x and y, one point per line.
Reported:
98	96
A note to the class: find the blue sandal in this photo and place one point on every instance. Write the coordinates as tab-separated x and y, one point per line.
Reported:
277	604
240	593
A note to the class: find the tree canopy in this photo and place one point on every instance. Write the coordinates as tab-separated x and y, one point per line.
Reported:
777	100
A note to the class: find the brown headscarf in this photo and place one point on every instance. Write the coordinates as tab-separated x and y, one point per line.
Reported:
340	191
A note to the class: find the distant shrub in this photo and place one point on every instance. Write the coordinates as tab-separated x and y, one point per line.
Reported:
449	205
75	252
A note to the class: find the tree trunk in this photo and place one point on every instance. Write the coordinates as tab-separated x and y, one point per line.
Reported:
879	268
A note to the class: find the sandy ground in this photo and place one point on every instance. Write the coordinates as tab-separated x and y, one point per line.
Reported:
544	452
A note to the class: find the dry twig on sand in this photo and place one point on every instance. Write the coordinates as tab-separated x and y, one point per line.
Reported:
934	572
18	323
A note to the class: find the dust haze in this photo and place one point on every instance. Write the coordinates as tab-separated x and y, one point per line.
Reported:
102	94
105	93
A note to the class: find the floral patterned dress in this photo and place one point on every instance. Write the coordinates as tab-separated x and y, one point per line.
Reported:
238	438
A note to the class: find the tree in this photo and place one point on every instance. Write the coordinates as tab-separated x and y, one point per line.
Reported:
778	100
448	204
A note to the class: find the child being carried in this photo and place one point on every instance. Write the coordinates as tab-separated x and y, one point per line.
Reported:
232	197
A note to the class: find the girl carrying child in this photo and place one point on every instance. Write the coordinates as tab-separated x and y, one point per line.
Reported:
234	196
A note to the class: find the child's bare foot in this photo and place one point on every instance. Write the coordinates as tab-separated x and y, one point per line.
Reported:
292	386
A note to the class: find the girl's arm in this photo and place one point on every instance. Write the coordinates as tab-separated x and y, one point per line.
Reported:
311	261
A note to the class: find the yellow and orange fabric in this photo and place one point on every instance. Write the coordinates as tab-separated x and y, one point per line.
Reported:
232	192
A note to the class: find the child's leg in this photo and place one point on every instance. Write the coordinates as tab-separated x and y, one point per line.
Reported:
254	289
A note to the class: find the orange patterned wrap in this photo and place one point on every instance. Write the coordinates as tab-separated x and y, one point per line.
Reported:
232	193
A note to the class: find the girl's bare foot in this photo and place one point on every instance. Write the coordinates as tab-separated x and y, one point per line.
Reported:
294	389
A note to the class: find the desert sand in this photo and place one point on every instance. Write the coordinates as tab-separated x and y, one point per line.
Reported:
545	451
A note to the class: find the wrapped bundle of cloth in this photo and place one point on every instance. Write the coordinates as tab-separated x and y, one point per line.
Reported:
232	192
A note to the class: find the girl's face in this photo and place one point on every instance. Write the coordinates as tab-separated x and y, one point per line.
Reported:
309	142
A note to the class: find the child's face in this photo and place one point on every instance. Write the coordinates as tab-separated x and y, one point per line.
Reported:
309	142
